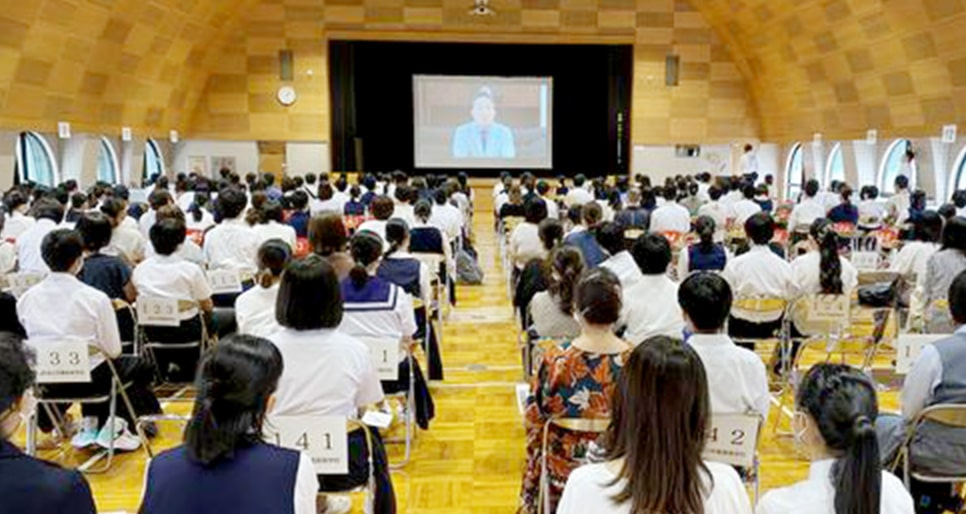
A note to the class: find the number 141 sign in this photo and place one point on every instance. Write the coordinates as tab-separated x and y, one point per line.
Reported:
323	438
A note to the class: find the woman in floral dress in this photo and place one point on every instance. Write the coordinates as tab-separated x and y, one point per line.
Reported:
575	380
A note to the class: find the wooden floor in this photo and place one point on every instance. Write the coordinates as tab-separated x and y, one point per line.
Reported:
471	459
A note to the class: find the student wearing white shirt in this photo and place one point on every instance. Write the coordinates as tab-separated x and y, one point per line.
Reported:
524	243
823	270
660	314
48	213
326	201
747	206
749	161
737	381
255	308
611	237
8	253
126	241
61	306
222	445
272	226
718	211
232	244
167	275
198	217
446	217
157	199
936	378
17	220
671	217
913	258
578	195
836	410
808	210
871	211
662	472
403	210
758	273
375	307
327	373
897	207
543	190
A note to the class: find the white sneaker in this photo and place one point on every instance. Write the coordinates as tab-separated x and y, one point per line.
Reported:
124	440
337	504
87	435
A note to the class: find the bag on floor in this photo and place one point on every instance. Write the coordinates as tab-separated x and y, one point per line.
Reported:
468	271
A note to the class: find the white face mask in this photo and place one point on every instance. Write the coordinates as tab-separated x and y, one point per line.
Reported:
799	420
11	420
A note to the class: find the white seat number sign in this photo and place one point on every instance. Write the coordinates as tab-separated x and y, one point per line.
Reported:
322	438
62	362
158	312
908	348
733	439
385	356
224	281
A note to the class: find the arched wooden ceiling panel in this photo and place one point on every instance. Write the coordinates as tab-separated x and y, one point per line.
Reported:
104	64
842	66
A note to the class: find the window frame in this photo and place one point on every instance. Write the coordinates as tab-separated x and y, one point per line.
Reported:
958	172
23	169
836	152
796	151
887	187
105	144
150	145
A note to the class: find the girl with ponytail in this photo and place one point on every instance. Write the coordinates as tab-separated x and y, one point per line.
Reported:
224	465
835	422
706	255
366	250
255	308
824	271
552	311
198	216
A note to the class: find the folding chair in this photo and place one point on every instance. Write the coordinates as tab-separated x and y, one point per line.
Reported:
18	283
385	354
156	311
587	425
908	348
68	361
326	440
947	414
733	439
122	307
435	299
764	307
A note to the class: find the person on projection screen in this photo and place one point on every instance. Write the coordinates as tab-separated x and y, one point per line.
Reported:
483	137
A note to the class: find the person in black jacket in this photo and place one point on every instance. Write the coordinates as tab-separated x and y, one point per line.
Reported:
29	484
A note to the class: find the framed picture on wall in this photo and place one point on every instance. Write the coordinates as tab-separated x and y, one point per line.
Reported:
198	164
220	163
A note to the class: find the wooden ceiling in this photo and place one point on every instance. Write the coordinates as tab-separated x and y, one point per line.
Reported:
831	66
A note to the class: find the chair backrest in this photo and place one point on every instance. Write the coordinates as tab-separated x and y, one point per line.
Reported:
909	346
949	414
823	314
763	305
591	425
866	261
733	439
157	311
18	283
323	438
62	360
385	356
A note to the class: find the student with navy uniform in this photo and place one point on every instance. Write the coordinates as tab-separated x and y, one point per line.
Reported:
224	466
29	484
706	255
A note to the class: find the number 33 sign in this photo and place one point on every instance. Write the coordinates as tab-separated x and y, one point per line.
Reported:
323	438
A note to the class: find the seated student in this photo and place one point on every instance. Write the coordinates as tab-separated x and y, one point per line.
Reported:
106	273
18	221
126	241
535	274
513	208
232	244
271	225
327	373
822	270
377	307
543	193
403	196
551	312
578	195
328	239
935	378
660	314
224	464
8	252
576	379
835	418
897	207
844	212
717	211
157	199
78	205
446	216
737	380
654	452
808	210
941	268
634	215
763	198
354	206
912	259
255	308
189	250
917	205
29	484
524	242
671	217
758	273
584	236
706	255
199	218
747	206
48	213
167	275
61	307
871	212
325	201
382	209
299	219
611	238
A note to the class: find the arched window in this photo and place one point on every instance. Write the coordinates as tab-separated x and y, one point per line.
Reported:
835	170
107	166
959	173
894	164
794	172
35	160
153	161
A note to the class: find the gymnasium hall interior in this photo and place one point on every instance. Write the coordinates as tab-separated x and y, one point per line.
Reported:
482	256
